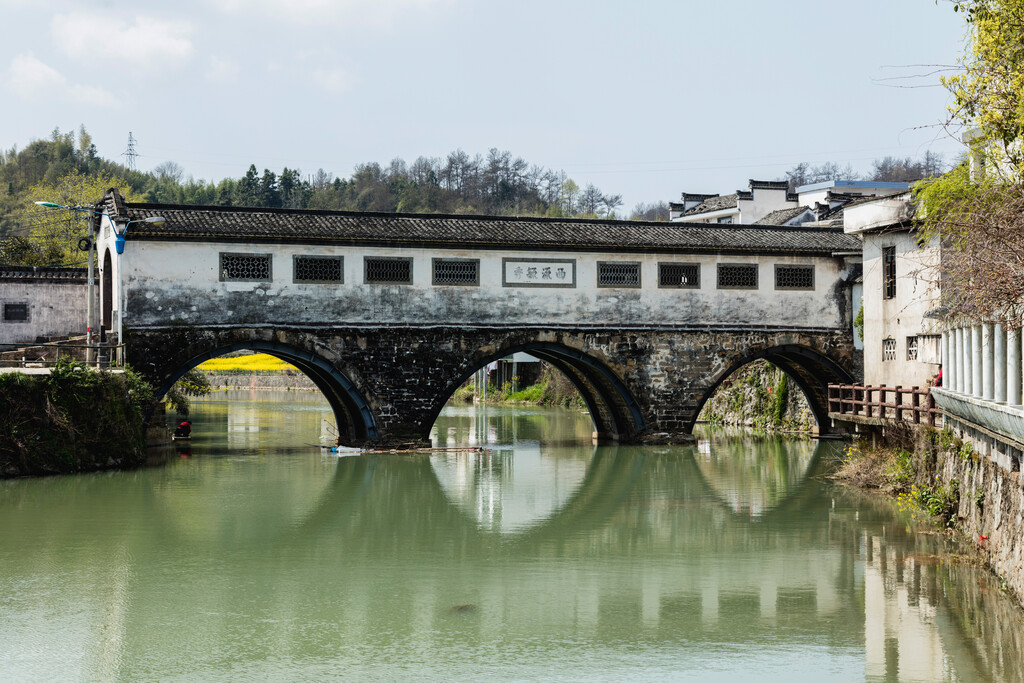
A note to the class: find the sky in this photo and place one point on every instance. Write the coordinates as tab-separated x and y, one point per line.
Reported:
646	99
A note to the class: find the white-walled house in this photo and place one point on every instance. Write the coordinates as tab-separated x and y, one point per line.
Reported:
769	202
41	303
900	298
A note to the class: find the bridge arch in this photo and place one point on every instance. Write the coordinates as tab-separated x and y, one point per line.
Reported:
352	413
810	369
612	405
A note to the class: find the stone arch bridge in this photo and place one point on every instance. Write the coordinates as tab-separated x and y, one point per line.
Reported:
388	314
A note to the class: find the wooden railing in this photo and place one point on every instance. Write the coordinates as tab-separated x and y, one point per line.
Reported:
46	354
914	405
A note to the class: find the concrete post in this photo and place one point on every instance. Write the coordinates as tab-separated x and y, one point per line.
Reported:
976	363
960	360
946	360
999	346
987	361
968	363
1013	367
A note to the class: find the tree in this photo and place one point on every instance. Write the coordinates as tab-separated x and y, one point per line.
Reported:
55	233
978	218
192	383
247	191
988	93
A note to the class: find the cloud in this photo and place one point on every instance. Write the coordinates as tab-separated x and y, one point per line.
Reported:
221	70
332	80
31	79
357	12
144	43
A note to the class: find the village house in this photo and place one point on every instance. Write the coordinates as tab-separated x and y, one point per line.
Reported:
41	303
769	202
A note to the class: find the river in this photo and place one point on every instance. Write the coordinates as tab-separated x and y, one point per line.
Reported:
254	554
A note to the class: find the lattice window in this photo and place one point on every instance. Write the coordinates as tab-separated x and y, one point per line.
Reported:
911	348
16	312
794	277
456	271
319	269
245	267
737	276
682	275
889	272
613	274
388	271
888	349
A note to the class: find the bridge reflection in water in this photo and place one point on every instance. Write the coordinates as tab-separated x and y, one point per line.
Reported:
530	558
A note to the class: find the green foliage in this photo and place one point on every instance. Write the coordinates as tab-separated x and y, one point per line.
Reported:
192	383
858	321
74	419
988	92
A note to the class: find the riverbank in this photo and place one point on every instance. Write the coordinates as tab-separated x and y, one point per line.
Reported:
966	493
73	419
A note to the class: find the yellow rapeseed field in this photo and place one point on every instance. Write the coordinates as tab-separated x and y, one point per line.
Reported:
257	362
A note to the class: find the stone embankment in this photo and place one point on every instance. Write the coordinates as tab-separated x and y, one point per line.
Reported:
278	381
990	510
971	492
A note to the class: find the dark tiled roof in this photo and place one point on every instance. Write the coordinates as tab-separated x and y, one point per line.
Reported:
283	225
768	184
780	216
42	274
715	203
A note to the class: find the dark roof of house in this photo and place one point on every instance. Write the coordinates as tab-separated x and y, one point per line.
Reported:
715	203
780	216
768	184
42	274
191	223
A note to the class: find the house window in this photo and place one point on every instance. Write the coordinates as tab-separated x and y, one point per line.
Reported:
737	276
388	271
889	272
16	312
244	267
911	348
725	219
319	269
680	275
888	349
794	277
450	271
611	274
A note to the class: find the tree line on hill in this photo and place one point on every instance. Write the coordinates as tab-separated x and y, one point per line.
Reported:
67	169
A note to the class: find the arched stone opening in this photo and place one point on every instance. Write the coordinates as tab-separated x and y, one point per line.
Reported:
353	415
612	406
809	369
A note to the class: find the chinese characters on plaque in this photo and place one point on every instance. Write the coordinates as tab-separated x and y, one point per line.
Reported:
539	272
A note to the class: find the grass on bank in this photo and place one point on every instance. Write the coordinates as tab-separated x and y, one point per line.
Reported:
905	467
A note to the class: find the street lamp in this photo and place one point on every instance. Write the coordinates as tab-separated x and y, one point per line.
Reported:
118	247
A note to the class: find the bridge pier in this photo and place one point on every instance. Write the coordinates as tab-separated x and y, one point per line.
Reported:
388	384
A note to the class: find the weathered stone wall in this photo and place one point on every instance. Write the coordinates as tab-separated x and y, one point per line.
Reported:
991	511
390	382
56	309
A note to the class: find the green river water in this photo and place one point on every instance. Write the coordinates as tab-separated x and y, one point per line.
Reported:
253	554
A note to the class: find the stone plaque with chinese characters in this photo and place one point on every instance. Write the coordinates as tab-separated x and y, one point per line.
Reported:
524	272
